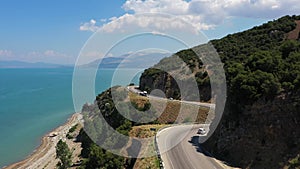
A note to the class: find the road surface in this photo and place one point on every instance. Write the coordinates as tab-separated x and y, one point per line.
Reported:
135	89
186	154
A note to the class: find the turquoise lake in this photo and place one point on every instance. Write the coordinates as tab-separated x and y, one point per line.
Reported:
34	102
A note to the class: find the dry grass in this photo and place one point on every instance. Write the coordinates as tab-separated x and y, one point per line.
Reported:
172	110
182	112
145	132
140	101
147	163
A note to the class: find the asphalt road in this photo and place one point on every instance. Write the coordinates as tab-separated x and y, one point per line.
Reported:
208	105
179	146
179	149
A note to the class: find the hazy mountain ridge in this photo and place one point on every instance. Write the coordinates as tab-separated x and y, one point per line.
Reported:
135	60
21	64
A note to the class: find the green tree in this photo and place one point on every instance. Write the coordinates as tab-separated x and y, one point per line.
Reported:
254	85
64	154
265	61
96	157
287	47
99	158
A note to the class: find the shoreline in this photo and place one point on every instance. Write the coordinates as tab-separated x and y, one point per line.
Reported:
46	149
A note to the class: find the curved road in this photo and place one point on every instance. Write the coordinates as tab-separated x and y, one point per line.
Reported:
179	146
186	154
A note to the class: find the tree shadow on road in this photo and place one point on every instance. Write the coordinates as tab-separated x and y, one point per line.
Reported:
195	142
200	149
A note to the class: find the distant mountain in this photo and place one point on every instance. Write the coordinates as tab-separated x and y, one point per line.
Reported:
21	64
137	60
110	62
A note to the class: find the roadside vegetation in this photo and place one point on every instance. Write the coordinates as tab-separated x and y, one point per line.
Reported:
146	131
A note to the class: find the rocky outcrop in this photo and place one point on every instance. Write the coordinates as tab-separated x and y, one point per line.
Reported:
162	81
175	80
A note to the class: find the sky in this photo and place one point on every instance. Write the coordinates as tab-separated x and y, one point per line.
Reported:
56	31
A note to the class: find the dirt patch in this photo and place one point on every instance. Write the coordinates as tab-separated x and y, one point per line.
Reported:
294	34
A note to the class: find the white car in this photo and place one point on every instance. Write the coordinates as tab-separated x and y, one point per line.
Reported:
201	131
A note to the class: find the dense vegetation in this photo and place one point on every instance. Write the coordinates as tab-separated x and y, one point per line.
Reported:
261	62
262	67
95	156
97	132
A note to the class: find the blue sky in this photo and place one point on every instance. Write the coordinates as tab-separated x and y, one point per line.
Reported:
55	31
39	26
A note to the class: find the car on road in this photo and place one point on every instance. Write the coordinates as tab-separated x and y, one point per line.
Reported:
201	131
144	93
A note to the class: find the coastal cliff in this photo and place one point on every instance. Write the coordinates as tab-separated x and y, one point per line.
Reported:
260	125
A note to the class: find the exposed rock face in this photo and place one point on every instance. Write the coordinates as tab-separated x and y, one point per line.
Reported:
165	82
264	135
162	81
176	80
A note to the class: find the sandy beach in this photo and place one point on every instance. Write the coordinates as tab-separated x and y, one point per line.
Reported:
44	155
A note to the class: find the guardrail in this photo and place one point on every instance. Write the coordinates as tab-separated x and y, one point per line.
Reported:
161	165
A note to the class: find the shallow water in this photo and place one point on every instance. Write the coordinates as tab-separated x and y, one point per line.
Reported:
35	101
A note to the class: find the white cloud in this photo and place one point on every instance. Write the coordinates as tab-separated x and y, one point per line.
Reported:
53	53
6	53
89	26
50	56
173	7
47	53
103	20
153	22
202	14
261	8
92	54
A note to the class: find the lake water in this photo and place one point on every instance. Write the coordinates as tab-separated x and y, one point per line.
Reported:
35	101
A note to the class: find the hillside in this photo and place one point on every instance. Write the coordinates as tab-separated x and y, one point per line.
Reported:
138	112
259	128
